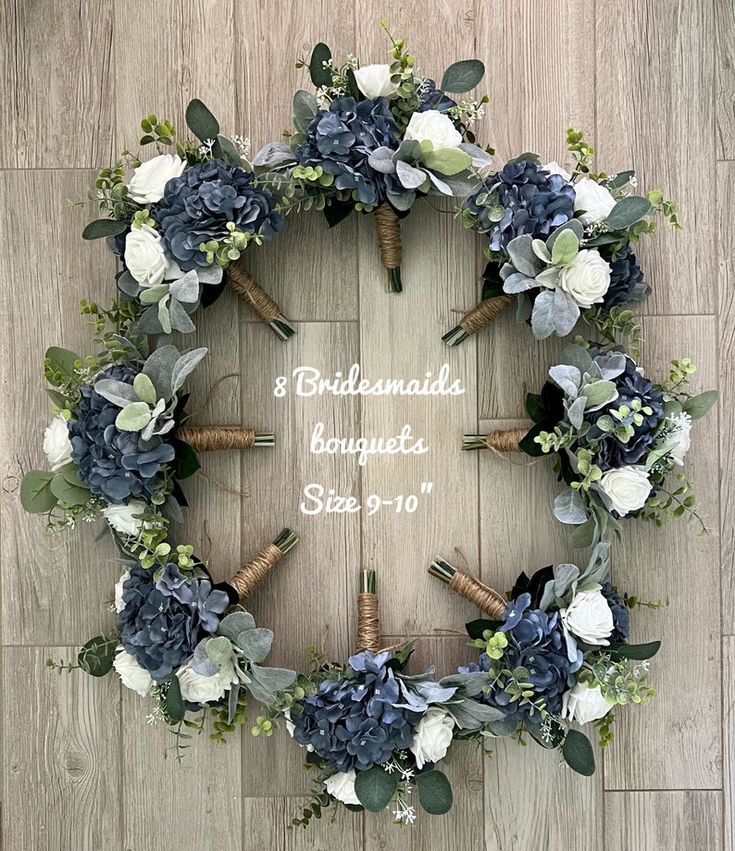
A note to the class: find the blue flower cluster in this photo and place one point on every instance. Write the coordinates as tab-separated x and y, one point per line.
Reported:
536	642
113	463
341	139
197	207
522	198
164	620
357	721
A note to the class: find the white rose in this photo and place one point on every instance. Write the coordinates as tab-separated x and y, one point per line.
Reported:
374	81
56	443
589	617
433	737
197	688
131	673
555	168
435	127
150	178
627	488
144	256
342	787
677	442
584	703
587	278
593	199
125	519
119	604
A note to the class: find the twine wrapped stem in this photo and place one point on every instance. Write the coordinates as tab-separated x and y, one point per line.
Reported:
388	227
477	318
471	589
250	575
247	288
368	617
214	438
504	440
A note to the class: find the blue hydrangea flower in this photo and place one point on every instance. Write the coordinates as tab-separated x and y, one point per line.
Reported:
620	613
522	198
357	721
341	139
112	463
626	280
536	642
197	207
162	622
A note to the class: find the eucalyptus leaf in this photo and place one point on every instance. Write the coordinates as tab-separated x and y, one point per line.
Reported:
462	76
36	495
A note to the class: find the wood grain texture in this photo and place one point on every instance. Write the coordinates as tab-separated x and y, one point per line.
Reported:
655	73
56	65
724	16
651	821
674	742
726	407
61	777
42	593
728	740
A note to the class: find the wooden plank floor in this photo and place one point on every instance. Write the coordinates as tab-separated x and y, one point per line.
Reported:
652	82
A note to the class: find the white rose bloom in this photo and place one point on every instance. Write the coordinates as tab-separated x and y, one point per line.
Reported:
342	787
145	257
677	442
433	737
587	278
435	127
150	178
119	604
56	443
627	488
594	200
374	81
555	168
197	688
125	519
584	703
589	617
131	673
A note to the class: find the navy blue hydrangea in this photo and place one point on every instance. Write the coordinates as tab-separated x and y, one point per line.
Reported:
535	642
626	280
164	620
354	722
620	613
341	139
610	452
113	464
522	198
197	207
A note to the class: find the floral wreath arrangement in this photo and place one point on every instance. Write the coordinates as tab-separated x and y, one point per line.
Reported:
185	218
375	138
188	642
555	654
118	446
560	245
617	436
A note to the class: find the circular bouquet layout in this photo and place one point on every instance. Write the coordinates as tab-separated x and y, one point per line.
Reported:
554	654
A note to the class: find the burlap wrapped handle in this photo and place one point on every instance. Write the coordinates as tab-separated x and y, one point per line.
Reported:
245	580
214	438
368	616
479	594
249	290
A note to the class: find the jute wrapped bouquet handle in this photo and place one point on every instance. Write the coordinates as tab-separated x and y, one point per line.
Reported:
215	438
247	578
470	588
243	284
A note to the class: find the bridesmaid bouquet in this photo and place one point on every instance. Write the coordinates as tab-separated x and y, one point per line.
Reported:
186	641
554	655
375	138
616	435
560	244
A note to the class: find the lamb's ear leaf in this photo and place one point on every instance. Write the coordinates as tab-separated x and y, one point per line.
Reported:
201	122
320	75
97	656
375	788
578	754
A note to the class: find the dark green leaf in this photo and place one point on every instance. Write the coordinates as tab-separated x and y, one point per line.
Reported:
637	652
320	75
462	76
435	792
187	461
578	754
201	122
628	211
534	406
477	627
100	228
375	788
699	405
173	703
35	492
97	656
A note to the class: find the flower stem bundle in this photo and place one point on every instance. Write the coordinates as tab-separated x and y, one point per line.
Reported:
471	589
244	285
